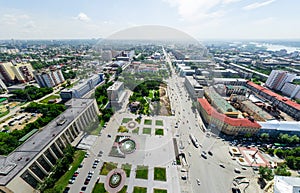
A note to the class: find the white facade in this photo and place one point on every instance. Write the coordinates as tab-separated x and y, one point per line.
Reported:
49	79
291	90
278	78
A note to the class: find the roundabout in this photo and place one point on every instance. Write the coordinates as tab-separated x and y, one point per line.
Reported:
115	180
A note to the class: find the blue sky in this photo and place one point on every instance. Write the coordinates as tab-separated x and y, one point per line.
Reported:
203	19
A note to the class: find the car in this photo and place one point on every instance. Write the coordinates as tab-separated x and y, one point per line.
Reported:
96	161
94	166
80	165
91	172
204	152
66	190
86	182
203	155
236	170
71	181
108	135
222	165
198	182
244	168
75	175
83	188
210	153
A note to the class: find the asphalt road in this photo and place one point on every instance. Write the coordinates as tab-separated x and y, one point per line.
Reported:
213	178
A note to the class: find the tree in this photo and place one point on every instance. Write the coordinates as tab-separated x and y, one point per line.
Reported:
265	173
282	171
264	136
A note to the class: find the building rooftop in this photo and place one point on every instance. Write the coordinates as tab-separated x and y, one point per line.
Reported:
220	103
286	184
12	164
275	95
115	86
281	125
243	122
257	110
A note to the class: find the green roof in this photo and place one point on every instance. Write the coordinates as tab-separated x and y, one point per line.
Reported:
25	137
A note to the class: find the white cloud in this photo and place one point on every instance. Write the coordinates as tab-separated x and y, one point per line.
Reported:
83	17
258	5
230	1
199	10
11	19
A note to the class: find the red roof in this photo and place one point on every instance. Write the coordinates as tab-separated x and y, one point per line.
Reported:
228	120
273	94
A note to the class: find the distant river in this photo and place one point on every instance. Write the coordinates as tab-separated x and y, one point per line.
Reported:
275	47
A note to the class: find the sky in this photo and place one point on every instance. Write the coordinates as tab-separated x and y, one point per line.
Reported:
202	19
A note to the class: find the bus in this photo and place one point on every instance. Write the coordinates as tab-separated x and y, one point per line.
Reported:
194	140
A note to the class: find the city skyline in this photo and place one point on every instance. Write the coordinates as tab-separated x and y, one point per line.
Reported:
205	19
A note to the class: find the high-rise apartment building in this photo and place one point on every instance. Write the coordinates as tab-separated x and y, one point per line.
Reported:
49	78
278	78
11	72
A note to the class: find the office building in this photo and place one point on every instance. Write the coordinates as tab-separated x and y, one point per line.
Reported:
116	94
194	88
31	162
81	89
278	78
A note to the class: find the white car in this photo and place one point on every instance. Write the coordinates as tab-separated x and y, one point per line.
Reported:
198	182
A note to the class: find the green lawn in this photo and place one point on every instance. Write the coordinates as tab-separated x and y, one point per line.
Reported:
159	132
147	131
122	129
159	191
136	130
126	168
107	167
159	123
148	122
160	174
137	189
99	128
64	180
50	98
142	172
138	120
99	188
126	120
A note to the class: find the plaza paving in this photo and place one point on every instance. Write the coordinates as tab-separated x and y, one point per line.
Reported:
151	150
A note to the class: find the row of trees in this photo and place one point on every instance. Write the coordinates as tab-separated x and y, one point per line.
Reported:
31	93
268	174
10	141
102	99
281	138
